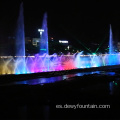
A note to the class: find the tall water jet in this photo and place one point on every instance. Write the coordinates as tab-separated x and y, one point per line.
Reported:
44	37
44	41
111	57
20	42
110	41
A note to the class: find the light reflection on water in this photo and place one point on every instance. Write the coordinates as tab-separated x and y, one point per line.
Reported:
114	87
44	80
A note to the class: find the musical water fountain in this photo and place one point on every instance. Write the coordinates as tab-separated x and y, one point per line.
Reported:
43	62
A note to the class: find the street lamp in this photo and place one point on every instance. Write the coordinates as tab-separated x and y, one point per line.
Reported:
42	44
40	30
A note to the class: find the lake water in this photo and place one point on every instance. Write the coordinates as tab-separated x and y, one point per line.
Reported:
45	80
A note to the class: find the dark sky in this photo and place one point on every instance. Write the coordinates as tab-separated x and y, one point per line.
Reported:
73	20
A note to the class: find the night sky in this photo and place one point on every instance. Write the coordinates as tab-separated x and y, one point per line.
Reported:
77	21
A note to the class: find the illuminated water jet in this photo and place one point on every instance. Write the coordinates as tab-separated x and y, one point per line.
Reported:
44	37
20	43
110	41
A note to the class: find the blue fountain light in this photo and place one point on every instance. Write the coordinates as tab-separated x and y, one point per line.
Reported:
110	41
112	57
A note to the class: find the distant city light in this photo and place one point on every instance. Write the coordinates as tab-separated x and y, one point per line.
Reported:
51	37
63	41
68	47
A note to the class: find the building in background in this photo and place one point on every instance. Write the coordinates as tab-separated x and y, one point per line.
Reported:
118	46
55	46
36	42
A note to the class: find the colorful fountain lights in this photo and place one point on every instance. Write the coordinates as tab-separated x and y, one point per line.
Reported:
34	64
20	64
